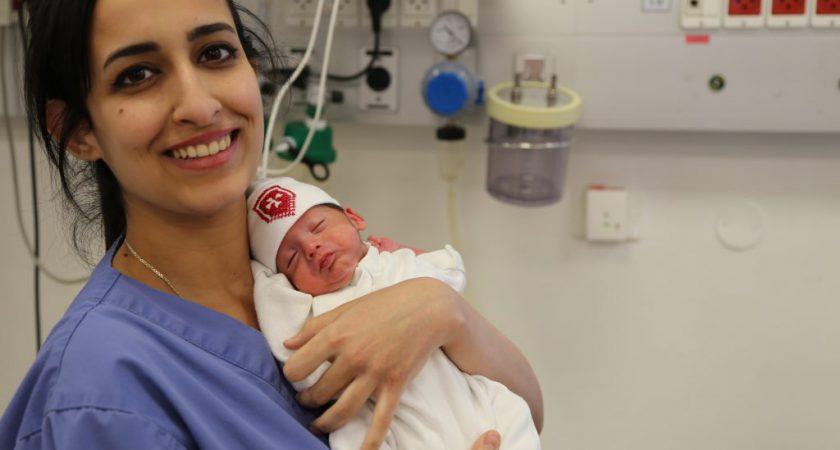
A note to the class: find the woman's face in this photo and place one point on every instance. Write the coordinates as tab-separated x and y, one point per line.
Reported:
174	103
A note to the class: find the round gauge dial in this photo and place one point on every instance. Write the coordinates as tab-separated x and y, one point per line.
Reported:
451	33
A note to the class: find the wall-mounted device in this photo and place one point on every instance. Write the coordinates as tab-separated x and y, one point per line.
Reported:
531	130
703	14
379	90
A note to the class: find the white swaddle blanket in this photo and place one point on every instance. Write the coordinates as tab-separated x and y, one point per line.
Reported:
442	408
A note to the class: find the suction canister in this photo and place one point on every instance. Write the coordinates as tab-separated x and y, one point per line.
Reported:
531	131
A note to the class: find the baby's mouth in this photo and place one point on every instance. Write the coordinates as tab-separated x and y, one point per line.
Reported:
326	261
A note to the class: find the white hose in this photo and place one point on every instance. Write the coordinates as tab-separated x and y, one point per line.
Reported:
322	88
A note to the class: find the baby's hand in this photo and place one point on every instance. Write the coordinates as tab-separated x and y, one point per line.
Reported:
384	244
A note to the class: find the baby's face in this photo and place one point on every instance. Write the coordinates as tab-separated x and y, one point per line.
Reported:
320	252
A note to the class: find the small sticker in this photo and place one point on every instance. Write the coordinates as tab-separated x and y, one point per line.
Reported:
697	39
275	203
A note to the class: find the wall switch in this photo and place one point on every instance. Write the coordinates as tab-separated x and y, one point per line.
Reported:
606	214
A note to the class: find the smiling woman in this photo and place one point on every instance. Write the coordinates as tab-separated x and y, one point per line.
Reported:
154	108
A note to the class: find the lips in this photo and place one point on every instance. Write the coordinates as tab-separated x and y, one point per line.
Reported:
326	261
207	144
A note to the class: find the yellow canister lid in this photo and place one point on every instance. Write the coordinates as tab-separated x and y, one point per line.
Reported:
533	111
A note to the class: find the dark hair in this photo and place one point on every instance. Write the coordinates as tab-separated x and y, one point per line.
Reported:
56	68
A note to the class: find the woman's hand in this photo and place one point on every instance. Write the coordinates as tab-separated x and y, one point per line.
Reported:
376	344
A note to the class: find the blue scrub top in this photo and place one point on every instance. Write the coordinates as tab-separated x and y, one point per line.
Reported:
130	367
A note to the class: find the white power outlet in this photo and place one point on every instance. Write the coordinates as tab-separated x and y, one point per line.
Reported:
301	13
656	5
348	13
378	92
606	215
417	13
5	12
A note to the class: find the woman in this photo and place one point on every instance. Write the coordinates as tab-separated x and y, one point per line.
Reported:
159	101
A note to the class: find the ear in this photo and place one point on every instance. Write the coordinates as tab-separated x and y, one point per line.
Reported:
357	220
82	143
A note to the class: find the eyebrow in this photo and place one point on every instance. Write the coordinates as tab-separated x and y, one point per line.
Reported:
148	47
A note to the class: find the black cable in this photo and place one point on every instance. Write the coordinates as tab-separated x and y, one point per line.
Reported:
36	220
377	10
374	56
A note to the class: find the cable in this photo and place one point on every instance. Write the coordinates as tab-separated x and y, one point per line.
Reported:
374	56
322	88
275	107
377	9
36	220
15	183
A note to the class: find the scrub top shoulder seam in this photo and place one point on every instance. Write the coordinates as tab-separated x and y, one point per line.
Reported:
172	438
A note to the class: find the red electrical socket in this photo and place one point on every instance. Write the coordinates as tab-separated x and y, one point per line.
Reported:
746	7
786	7
828	7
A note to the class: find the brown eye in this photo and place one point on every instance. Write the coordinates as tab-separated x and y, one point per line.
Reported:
133	75
216	53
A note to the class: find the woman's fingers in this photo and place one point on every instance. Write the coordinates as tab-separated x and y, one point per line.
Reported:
334	380
348	404
490	440
314	345
386	404
309	329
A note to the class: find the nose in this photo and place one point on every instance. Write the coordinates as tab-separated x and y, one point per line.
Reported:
195	102
311	247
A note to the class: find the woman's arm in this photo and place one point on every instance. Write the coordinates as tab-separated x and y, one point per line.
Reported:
378	342
480	349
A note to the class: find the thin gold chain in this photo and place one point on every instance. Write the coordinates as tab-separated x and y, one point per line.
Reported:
153	269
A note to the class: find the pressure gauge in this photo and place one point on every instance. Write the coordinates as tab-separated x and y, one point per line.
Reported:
451	33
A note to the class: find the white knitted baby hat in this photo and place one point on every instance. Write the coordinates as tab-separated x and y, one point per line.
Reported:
274	205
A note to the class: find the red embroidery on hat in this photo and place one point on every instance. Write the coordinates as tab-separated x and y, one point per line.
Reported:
275	203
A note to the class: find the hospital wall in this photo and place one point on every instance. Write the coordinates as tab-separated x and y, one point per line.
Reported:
670	341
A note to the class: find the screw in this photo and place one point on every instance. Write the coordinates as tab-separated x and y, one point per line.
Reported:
717	83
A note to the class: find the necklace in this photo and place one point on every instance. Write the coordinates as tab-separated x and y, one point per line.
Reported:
152	269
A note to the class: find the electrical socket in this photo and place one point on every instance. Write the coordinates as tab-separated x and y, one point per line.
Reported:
828	7
348	13
744	14
656	5
788	14
379	90
744	8
6	13
606	214
700	14
417	13
468	8
826	13
300	13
